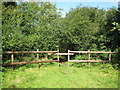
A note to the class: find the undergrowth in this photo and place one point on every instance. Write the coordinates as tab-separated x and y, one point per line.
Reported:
52	76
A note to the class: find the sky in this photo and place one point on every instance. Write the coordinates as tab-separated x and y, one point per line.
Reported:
66	6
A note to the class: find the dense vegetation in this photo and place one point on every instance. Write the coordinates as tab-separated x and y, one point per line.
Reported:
61	77
31	26
42	27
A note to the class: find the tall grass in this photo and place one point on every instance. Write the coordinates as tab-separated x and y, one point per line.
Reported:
52	76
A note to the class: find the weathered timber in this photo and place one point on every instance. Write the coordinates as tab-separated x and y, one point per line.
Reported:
15	52
37	55
101	52
58	58
17	63
64	53
68	58
91	52
12	57
89	56
88	61
60	53
79	51
51	53
110	56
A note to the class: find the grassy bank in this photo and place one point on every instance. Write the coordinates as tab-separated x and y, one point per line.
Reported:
61	77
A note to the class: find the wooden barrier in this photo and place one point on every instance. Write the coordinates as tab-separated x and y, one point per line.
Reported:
58	54
89	60
37	52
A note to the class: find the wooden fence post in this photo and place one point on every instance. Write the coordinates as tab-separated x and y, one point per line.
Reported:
12	57
58	58
110	57
68	59
37	55
38	58
89	56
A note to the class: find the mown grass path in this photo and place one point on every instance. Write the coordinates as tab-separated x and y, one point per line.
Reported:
61	77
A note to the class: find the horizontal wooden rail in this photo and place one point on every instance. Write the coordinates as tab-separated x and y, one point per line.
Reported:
15	52
91	52
60	53
64	53
88	61
17	63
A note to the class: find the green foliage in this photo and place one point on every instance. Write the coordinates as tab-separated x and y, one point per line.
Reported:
30	26
26	28
79	65
62	77
80	57
42	27
81	29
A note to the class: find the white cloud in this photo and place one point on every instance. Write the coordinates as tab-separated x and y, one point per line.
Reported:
63	15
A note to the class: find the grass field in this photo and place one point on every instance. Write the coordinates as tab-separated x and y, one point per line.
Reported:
61	77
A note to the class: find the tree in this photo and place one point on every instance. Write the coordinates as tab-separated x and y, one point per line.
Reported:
25	28
80	28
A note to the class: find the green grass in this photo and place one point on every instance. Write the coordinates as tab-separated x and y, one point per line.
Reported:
61	77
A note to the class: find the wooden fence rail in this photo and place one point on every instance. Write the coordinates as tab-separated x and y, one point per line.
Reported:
15	52
18	63
92	52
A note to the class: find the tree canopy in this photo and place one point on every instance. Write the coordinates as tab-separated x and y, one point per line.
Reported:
38	25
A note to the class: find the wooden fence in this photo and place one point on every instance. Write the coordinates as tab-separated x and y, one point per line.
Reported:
89	53
58	54
37	52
